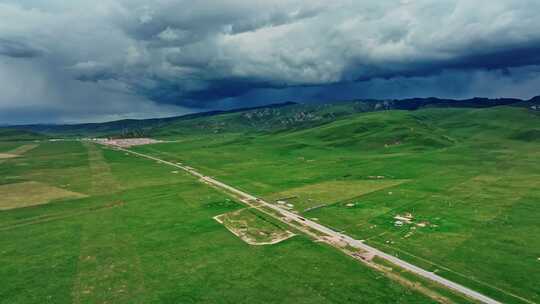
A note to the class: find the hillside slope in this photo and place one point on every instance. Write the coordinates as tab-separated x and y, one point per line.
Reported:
9	134
271	118
303	116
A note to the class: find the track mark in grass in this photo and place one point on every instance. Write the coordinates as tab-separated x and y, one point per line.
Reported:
22	149
253	228
109	267
103	181
58	216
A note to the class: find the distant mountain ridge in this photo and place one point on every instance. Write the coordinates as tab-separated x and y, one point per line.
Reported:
124	125
268	118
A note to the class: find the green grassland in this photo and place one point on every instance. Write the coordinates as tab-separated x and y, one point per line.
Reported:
144	234
327	193
141	232
472	175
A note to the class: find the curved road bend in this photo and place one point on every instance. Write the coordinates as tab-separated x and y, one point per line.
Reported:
316	226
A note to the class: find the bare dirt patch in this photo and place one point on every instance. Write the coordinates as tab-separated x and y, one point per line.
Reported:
27	194
17	151
103	181
7	155
23	149
253	228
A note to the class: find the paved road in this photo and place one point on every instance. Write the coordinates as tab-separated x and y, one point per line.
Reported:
248	198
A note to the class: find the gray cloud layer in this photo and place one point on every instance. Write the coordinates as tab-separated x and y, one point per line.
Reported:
17	49
72	60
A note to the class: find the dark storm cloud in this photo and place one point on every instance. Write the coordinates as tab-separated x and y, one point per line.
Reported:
331	44
108	58
18	49
182	22
513	56
92	71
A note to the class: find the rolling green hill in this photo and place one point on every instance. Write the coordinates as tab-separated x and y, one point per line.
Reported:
273	118
10	134
290	117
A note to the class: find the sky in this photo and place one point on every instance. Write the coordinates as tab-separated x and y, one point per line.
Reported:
67	61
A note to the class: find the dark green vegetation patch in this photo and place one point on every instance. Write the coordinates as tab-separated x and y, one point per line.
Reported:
529	135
